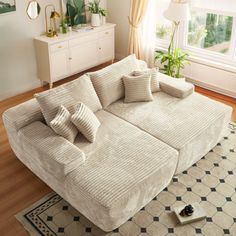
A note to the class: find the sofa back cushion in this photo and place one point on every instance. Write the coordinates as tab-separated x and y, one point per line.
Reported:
68	95
108	81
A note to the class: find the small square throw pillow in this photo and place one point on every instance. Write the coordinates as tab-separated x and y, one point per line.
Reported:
155	86
63	126
86	122
137	88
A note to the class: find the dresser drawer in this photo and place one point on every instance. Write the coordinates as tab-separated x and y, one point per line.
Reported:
58	46
106	33
83	39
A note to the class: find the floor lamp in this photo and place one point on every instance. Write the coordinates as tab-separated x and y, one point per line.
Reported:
177	12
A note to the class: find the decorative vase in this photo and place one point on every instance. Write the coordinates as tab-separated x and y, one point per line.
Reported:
103	20
95	20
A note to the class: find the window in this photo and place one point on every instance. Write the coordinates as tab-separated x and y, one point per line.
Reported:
210	34
163	26
210	31
163	31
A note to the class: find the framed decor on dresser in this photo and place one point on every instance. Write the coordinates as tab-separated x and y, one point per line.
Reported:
7	6
69	54
75	11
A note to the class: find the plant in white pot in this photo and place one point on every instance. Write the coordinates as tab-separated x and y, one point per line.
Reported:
103	14
175	58
94	9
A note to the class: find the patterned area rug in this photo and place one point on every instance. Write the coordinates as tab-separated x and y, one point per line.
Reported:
211	182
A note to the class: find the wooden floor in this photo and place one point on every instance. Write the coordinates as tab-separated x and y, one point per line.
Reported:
19	187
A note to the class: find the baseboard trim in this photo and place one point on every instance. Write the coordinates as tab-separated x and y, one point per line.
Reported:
119	56
212	88
19	89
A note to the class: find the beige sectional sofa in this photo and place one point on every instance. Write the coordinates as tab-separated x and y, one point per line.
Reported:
138	147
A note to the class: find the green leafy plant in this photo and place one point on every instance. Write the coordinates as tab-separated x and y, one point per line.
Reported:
93	7
75	12
163	31
173	60
103	12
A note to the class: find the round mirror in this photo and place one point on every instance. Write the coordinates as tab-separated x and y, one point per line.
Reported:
33	10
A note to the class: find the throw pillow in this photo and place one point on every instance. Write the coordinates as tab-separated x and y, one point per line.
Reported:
155	86
108	81
68	95
137	88
86	122
63	126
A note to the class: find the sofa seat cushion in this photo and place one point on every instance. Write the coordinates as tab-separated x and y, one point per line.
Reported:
192	125
125	168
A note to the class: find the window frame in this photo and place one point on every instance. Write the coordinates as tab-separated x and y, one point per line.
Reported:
207	54
182	35
164	43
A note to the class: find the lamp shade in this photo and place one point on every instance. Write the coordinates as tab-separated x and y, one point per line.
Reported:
177	11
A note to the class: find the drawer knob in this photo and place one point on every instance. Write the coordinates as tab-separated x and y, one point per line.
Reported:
70	58
107	33
100	48
59	46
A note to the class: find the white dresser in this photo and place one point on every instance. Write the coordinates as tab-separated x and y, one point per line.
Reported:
74	52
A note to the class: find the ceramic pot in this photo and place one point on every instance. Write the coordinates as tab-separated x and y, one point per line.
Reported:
95	20
103	20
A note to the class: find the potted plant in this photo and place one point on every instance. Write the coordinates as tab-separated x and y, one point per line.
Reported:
103	14
173	60
94	8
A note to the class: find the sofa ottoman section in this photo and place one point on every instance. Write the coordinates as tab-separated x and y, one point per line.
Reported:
125	168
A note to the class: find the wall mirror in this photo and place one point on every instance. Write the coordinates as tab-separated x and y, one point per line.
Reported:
33	10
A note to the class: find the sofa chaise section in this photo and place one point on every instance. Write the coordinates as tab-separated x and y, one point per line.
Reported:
125	168
193	125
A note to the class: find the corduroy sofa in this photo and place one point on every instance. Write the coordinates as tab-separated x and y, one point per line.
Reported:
138	148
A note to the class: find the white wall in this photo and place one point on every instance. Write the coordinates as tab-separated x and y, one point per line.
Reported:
118	12
18	72
209	77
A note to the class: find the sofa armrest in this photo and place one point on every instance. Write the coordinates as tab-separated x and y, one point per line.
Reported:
175	87
23	114
49	150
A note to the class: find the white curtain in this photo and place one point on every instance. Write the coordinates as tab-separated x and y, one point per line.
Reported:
137	12
149	32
